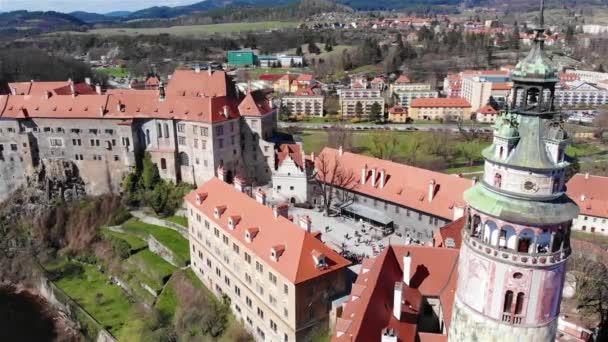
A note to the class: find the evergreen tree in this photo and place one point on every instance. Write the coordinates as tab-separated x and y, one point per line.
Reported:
358	109
299	51
375	113
150	176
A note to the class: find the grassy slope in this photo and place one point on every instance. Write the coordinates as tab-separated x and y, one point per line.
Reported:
170	238
150	268
116	72
198	29
181	220
133	241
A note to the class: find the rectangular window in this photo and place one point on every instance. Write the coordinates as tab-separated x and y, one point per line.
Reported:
248	301
285	288
247	278
225	239
235	248
261	313
93	131
219	130
55	142
195	142
109	131
216	232
259	267
248	258
273	326
195	130
181	140
205	131
181	128
272	278
220	143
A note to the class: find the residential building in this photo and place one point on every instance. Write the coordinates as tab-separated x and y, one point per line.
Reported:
289	61
404	294
268	61
290	176
403	83
356	102
404	97
242	58
453	83
579	93
378	83
479	91
591	194
440	108
190	128
304	102
407	199
286	84
588	76
486	114
515	244
397	114
279	276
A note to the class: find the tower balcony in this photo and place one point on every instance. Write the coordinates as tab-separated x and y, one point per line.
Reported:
504	254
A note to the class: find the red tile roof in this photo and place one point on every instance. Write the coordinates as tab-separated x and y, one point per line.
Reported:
452	230
568	77
296	262
369	309
305	78
152	82
270	77
502	86
198	84
294	151
595	192
405	185
254	104
486	72
440	102
56	88
308	91
397	110
377	80
403	79
487	109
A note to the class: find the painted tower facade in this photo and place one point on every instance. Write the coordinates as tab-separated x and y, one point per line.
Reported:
512	262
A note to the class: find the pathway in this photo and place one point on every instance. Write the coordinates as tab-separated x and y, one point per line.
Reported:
146	218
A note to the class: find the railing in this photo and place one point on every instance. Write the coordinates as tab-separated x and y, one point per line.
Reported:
531	259
512	319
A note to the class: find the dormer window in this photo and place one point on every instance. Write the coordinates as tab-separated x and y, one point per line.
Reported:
233	221
218	211
251	233
276	252
200	197
319	259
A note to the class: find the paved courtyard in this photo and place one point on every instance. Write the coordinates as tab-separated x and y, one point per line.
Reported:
347	234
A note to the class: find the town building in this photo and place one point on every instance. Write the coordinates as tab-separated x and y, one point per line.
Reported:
403	83
242	58
286	84
279	276
579	93
404	294
440	109
290	61
486	114
591	194
268	61
515	244
290	176
588	75
304	101
194	125
397	114
410	200
404	97
453	83
378	83
357	102
479	91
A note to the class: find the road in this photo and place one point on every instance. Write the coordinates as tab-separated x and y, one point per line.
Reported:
393	127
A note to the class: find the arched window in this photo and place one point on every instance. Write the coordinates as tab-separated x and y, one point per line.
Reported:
519	303
557	241
502	150
556	184
159	133
147	137
532	98
497	180
163	163
183	159
166	131
525	240
506	308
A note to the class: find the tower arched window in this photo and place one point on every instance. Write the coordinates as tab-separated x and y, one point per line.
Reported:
519	303
556	184
159	132
166	127
532	98
506	308
497	180
147	137
183	159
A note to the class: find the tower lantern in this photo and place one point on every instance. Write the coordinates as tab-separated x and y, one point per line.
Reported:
512	262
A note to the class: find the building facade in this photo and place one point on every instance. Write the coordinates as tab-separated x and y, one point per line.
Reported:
356	102
290	177
404	97
589	192
440	109
580	93
512	262
304	102
279	277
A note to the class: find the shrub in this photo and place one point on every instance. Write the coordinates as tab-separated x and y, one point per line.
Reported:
120	248
119	217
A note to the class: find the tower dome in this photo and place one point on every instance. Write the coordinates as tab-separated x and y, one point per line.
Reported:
536	66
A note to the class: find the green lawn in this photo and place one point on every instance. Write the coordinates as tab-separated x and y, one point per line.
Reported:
167	303
170	238
181	220
191	30
133	241
91	290
149	268
595	238
582	149
116	72
464	169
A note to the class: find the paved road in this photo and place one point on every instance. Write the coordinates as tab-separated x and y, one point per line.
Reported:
393	127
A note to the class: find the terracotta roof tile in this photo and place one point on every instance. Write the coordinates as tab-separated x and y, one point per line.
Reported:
296	262
594	189
502	86
293	151
192	83
254	105
452	230
487	109
403	79
440	102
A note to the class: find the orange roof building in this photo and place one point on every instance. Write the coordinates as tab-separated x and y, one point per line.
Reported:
591	195
397	114
440	109
273	270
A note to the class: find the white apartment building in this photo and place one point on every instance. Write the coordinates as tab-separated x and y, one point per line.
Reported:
349	99
304	102
589	76
404	97
280	277
579	93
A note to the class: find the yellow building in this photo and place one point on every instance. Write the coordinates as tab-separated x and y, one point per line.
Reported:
440	108
397	114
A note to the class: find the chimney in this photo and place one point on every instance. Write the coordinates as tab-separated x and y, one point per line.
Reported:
220	173
87	80
407	268
583	197
281	209
14	90
363	174
374	177
382	178
305	223
226	112
586	175
101	111
239	184
197	69
47	94
389	335
340	151
312	157
432	186
119	107
72	89
397	300
209	70
260	196
98	89
161	91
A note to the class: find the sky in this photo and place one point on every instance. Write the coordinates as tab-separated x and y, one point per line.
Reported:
97	6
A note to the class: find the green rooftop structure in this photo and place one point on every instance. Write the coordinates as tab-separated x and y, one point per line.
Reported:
242	58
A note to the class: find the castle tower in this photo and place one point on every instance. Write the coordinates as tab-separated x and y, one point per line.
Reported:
512	262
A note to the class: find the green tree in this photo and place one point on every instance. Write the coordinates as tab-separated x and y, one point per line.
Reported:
375	113
285	113
158	197
384	145
359	109
150	176
470	151
299	51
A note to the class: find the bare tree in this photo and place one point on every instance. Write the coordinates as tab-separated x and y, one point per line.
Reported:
339	135
601	123
384	145
330	176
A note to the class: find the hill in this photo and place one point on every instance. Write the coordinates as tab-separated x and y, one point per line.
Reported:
91	18
20	23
